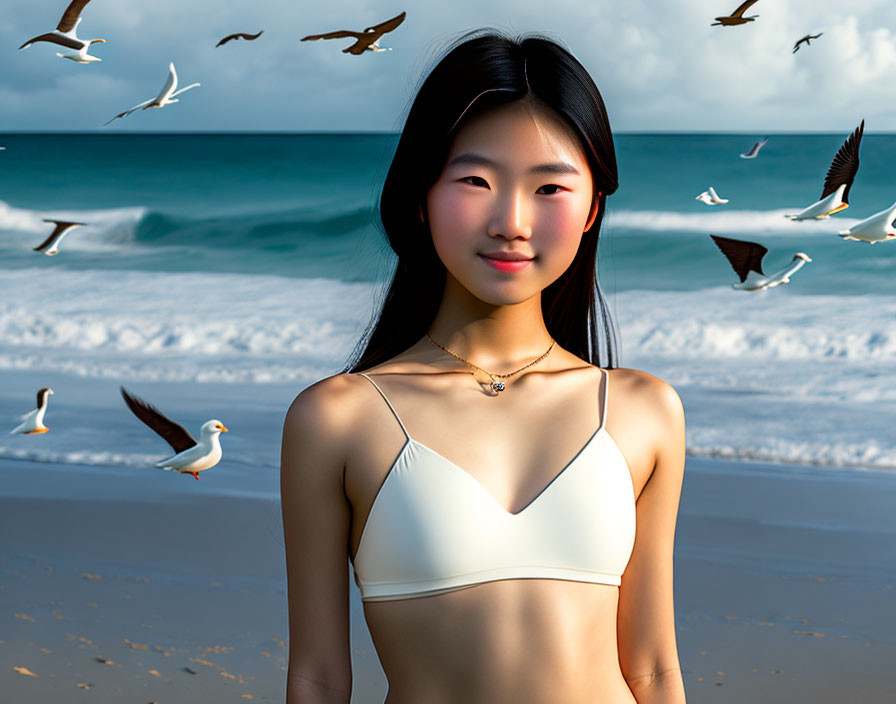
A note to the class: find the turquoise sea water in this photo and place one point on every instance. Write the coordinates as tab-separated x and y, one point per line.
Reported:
301	205
255	259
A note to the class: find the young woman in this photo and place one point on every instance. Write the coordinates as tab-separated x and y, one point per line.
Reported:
508	505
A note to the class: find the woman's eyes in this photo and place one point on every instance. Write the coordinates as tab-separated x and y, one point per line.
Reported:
479	181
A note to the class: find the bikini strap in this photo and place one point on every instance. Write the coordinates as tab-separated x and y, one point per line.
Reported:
391	408
606	385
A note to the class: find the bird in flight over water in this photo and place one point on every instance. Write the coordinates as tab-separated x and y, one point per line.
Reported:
754	151
191	456
710	197
50	245
837	182
877	228
33	422
746	260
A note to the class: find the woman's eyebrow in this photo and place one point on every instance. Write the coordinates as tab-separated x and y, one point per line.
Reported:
555	167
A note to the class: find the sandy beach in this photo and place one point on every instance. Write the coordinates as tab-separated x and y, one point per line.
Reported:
117	587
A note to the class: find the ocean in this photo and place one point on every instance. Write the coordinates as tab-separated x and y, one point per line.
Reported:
219	275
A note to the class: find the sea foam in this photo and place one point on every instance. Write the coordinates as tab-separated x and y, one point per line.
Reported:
722	220
199	327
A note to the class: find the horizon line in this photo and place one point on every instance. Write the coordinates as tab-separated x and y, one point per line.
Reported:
321	133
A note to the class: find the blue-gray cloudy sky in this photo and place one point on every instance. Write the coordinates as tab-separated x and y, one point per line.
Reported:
658	63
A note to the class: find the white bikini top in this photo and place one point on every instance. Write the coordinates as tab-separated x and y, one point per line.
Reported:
433	528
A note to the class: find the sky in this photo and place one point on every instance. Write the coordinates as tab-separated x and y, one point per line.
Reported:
659	64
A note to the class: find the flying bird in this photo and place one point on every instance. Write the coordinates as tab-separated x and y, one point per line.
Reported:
834	196
754	151
238	35
746	260
33	422
710	197
65	35
166	97
877	228
796	47
191	456
366	40
737	17
50	245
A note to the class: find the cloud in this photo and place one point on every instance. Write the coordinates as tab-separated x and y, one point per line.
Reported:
671	70
660	66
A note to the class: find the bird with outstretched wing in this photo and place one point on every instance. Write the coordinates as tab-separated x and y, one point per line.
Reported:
364	41
238	35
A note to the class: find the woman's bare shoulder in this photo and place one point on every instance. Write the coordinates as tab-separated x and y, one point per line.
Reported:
649	401
328	408
642	388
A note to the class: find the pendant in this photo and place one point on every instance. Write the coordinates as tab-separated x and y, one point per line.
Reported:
497	386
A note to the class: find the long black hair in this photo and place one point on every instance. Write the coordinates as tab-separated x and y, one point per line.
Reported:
485	69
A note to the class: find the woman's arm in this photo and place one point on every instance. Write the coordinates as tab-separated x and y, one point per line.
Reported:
648	654
316	518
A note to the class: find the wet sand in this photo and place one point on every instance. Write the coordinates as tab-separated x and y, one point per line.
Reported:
132	586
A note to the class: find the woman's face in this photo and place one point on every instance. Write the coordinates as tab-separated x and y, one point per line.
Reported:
515	182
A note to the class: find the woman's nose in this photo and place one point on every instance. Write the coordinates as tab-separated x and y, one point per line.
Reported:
512	216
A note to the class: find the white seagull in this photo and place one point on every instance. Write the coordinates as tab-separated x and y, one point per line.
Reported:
50	246
754	150
191	456
710	197
166	97
877	228
834	196
746	260
33	422
66	35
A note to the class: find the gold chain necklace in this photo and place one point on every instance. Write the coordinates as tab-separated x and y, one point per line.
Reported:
497	386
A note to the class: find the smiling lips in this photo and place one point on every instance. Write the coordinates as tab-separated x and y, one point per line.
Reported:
507	261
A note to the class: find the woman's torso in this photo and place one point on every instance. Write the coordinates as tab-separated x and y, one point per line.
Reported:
520	640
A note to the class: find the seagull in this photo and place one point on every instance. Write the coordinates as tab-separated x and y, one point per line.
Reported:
238	35
838	180
746	259
877	228
166	97
737	17
366	40
710	197
50	245
754	151
796	47
65	35
33	422
191	457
